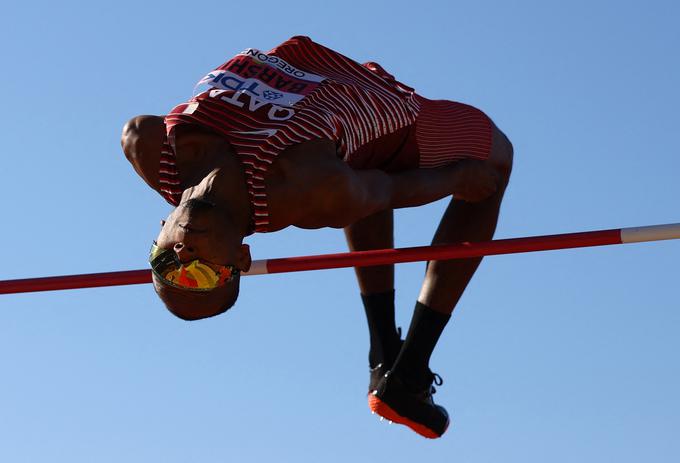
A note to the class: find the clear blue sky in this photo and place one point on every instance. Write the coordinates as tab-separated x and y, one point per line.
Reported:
561	356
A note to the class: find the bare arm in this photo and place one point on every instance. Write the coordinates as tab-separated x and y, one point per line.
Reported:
141	141
365	192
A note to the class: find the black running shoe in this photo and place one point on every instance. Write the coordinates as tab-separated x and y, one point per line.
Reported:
396	401
377	372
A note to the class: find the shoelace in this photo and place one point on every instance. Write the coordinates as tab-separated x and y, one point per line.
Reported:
437	380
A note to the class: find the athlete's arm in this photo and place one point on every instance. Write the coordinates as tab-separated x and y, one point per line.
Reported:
364	192
469	180
141	143
146	168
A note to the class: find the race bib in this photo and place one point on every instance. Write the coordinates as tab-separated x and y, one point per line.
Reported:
264	77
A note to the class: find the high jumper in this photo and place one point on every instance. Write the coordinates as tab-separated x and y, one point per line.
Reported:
304	136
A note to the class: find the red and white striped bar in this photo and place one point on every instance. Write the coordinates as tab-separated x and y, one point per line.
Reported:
369	258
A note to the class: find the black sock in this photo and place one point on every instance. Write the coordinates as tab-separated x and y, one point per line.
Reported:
412	364
385	343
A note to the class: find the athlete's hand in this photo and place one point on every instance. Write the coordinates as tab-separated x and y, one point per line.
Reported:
474	180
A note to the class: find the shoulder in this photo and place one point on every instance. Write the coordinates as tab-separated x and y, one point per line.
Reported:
146	147
142	142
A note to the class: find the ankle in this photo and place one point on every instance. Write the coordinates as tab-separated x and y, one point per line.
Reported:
412	363
386	352
385	339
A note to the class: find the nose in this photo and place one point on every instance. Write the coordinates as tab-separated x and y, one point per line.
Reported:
184	252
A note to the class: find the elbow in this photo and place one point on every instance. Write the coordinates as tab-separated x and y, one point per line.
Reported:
389	199
129	142
382	193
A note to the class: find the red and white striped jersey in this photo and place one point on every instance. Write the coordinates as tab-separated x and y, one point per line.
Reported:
263	103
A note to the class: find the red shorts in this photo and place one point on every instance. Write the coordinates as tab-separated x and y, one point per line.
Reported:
444	132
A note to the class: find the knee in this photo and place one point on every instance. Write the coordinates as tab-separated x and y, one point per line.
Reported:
502	153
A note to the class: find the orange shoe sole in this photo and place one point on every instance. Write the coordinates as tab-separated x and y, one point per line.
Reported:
381	408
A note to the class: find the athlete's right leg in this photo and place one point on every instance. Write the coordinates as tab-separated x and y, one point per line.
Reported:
373	232
377	291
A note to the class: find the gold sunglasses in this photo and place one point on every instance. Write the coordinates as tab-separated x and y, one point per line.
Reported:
197	275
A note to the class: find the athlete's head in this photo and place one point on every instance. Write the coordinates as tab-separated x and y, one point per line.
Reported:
198	275
142	140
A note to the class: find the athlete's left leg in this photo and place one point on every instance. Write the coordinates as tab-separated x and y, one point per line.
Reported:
405	395
445	281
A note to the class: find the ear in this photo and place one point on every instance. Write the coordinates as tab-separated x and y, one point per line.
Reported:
244	260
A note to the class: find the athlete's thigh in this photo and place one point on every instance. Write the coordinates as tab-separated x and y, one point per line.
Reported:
448	131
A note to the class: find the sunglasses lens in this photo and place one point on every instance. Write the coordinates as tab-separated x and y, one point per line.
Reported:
155	252
163	260
195	275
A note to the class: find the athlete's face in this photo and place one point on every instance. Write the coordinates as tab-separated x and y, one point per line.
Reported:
198	229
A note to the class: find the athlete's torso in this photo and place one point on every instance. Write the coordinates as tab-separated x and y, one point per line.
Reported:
264	103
